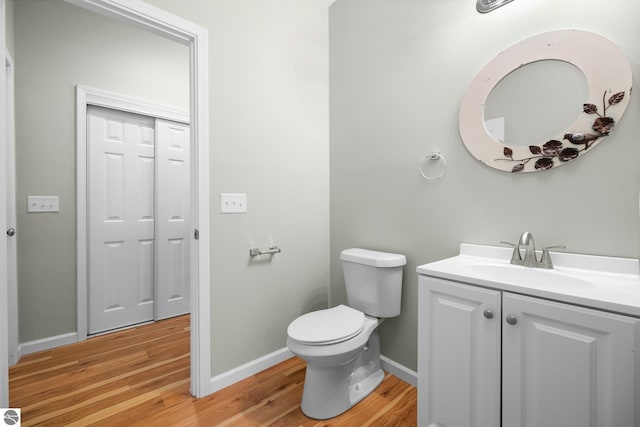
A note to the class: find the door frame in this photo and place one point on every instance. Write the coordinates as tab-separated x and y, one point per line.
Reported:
4	306
12	281
158	21
86	96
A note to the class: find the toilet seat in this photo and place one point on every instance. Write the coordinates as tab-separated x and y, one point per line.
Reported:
329	326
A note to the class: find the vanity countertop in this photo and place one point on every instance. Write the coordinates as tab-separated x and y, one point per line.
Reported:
606	283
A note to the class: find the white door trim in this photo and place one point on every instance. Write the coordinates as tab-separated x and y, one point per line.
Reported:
12	288
153	19
4	307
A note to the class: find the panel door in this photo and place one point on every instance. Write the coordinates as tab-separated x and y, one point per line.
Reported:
459	355
121	218
568	366
173	229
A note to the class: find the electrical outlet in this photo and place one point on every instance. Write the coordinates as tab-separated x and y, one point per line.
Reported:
43	204
233	203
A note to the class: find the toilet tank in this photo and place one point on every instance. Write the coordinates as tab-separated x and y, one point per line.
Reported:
373	280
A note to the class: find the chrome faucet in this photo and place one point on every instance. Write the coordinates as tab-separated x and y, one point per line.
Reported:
530	258
526	239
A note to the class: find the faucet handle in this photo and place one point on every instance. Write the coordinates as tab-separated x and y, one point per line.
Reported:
545	260
515	256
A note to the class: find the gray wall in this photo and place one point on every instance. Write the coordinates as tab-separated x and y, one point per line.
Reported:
398	70
58	46
269	139
269	117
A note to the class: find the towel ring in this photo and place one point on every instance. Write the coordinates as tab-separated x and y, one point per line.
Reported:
434	156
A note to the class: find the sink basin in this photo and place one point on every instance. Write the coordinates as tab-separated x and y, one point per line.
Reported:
602	282
524	276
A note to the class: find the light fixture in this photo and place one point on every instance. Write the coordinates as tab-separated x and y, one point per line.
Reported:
485	6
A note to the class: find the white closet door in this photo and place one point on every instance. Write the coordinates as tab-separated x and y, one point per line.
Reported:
173	228
121	218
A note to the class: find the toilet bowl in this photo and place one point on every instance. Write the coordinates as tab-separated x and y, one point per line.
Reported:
341	344
339	373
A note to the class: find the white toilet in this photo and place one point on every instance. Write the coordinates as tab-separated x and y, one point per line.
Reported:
341	344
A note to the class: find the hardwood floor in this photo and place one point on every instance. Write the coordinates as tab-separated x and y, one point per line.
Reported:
140	377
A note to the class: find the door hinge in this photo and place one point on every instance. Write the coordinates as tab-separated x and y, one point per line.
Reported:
196	234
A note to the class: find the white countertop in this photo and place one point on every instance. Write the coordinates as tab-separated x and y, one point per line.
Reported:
605	283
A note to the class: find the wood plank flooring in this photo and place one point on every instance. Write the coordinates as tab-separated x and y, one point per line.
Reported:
140	377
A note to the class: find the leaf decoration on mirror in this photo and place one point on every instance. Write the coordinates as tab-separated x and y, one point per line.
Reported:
546	154
616	98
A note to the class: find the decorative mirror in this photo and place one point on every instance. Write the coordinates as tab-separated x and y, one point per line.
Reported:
563	61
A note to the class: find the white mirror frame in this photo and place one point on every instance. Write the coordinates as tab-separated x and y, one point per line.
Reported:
608	76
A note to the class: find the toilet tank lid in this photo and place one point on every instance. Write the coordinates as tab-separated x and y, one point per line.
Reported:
373	258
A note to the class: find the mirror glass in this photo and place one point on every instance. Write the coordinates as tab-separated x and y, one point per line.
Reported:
535	101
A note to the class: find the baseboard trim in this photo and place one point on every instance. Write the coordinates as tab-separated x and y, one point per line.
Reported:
267	361
394	368
14	358
47	343
228	378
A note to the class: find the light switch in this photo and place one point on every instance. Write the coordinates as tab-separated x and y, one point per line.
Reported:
43	204
233	203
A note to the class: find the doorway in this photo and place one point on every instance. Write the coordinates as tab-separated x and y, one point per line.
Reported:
160	22
138	212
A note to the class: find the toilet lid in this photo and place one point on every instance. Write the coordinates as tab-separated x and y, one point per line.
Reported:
329	326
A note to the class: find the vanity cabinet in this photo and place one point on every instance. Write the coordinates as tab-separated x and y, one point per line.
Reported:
491	358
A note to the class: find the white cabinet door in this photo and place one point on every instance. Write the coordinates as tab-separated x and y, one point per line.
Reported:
173	218
121	218
568	366
459	348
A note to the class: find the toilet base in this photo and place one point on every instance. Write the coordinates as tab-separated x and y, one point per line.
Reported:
330	391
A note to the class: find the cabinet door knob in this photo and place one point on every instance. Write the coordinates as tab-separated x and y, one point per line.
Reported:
11	232
488	314
511	319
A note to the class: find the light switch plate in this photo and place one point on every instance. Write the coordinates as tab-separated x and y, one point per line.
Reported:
233	203
43	204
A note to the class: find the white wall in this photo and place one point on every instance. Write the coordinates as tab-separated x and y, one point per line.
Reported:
398	70
58	46
269	139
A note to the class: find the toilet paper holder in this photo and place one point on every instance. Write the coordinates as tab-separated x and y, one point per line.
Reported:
273	249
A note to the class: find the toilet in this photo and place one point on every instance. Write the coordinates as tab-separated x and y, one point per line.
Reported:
341	344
